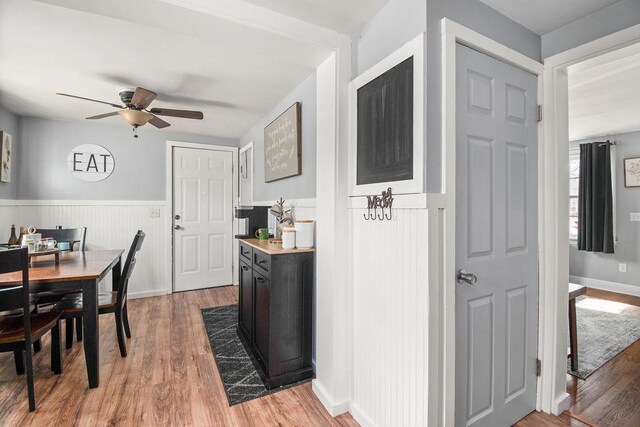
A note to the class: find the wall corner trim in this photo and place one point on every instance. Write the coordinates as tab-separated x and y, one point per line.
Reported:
327	400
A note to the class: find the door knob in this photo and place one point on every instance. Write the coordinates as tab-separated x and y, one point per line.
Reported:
177	227
177	217
469	278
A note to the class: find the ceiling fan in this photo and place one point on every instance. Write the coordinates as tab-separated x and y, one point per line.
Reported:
134	111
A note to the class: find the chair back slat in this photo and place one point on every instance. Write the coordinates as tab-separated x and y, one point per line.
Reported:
129	265
72	236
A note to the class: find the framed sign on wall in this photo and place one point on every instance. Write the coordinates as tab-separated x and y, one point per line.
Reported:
386	113
91	162
283	145
5	157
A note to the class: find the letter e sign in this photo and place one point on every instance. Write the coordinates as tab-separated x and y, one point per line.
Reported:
90	162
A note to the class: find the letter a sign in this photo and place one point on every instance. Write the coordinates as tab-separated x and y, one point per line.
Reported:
90	162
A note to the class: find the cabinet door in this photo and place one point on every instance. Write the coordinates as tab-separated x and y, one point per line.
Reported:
245	308
262	318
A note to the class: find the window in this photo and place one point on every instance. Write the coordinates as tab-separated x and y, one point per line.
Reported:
574	187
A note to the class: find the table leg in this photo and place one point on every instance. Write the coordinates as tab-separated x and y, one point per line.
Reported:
115	275
91	331
573	334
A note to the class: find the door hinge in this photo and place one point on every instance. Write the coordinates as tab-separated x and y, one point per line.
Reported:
538	367
539	113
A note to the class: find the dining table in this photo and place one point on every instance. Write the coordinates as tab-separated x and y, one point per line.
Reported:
76	270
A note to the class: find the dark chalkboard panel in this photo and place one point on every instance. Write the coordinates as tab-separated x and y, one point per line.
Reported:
385	127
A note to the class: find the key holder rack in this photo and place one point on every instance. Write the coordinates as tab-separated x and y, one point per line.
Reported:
385	201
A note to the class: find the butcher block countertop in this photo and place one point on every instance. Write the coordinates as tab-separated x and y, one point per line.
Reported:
272	248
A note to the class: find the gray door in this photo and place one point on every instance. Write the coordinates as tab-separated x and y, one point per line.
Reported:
496	239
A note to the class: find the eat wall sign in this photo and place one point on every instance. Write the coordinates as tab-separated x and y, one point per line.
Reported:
90	162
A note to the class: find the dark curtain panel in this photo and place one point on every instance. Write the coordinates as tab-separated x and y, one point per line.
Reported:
595	199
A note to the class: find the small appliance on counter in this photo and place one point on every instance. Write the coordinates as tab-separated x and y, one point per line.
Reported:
250	219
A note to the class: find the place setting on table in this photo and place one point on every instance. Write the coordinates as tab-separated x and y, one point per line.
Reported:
63	280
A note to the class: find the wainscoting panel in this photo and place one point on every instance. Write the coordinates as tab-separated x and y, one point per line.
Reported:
390	314
110	225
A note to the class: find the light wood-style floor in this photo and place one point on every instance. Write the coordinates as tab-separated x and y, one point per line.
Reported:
169	378
610	397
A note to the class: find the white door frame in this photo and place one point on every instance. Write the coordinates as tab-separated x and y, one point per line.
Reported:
169	191
452	33
554	266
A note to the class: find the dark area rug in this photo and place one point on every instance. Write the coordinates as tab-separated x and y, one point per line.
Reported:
239	376
605	329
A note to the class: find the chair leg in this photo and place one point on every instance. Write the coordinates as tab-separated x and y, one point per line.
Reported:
56	349
31	391
18	355
125	320
69	333
79	328
120	333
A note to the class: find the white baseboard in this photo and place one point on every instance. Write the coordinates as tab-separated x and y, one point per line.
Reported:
146	294
621	288
561	404
334	409
358	414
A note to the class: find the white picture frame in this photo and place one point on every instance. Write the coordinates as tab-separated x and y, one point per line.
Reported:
6	150
416	185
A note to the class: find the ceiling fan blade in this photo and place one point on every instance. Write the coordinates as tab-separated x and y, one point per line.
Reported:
102	116
185	114
158	122
89	99
142	97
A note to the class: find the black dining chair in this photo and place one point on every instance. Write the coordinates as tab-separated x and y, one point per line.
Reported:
113	302
19	327
75	238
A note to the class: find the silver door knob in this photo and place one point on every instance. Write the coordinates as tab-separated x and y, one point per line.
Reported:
177	227
177	217
469	278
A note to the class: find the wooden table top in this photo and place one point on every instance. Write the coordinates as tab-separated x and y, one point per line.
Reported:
73	266
273	248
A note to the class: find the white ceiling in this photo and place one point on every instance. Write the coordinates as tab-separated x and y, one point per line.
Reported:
343	16
542	16
233	73
604	95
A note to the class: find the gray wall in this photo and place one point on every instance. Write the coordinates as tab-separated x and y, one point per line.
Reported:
9	124
401	20
605	266
298	187
616	17
140	163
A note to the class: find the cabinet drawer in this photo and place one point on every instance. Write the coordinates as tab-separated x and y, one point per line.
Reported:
246	252
262	262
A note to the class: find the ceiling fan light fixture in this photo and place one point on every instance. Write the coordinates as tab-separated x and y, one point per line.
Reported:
135	117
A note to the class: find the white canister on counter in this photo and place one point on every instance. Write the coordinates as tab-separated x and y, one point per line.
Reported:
304	233
288	237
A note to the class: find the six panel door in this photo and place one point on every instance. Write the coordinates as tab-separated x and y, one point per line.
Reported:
496	239
203	222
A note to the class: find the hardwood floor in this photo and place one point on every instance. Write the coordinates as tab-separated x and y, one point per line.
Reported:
169	378
610	396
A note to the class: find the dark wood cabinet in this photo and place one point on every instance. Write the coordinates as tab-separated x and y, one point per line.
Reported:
275	318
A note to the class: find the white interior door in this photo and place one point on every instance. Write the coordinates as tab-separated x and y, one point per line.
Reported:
496	240
203	218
